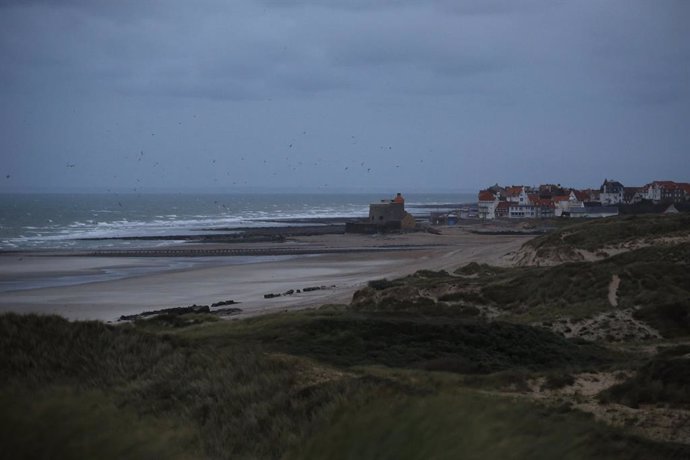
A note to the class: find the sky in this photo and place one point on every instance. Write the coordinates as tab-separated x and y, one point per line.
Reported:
351	95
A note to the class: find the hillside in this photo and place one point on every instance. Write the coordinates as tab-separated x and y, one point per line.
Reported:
595	240
586	359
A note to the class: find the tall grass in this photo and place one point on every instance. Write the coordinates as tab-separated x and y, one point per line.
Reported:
470	425
240	401
661	381
593	235
314	384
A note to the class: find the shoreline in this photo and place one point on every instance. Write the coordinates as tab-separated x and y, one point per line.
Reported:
158	280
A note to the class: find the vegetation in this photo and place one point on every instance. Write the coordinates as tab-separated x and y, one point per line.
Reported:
595	235
468	424
239	401
663	381
557	381
671	320
299	385
411	369
655	278
454	345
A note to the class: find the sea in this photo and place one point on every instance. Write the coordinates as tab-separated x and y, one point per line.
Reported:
90	221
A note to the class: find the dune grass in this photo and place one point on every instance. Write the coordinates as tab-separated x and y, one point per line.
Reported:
662	381
601	233
63	422
327	383
650	278
240	401
471	425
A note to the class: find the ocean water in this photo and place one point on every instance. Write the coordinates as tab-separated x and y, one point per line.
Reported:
64	221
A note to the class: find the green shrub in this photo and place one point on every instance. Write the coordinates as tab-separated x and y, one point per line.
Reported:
417	342
557	381
661	381
671	320
381	284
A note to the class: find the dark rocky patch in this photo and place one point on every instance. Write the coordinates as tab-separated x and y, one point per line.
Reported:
223	303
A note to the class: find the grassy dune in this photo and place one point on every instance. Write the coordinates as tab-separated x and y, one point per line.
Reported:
411	369
650	277
602	233
316	384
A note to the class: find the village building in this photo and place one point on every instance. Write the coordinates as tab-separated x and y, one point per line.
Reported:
535	208
564	203
611	192
487	204
667	191
502	209
552	200
633	195
593	195
516	194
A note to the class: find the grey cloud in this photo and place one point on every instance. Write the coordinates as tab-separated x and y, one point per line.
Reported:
484	7
484	84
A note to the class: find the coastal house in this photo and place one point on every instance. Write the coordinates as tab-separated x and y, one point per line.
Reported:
667	191
487	204
502	209
611	192
574	199
632	195
517	194
593	195
530	206
561	204
550	190
553	200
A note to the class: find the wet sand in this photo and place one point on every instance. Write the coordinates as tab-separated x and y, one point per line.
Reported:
105	288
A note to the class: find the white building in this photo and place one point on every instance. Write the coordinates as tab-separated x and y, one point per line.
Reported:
487	204
611	192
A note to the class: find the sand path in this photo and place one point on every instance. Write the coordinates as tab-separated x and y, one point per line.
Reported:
613	290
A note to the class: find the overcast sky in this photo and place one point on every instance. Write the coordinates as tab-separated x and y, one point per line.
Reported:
332	95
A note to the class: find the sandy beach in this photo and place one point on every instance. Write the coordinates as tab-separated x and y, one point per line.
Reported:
79	286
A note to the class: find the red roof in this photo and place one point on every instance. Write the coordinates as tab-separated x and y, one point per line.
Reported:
664	184
558	198
485	195
544	202
581	196
514	190
503	205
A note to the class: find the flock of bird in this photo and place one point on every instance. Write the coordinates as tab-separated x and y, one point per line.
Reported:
277	169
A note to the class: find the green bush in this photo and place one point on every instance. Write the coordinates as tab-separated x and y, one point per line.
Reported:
381	284
671	320
557	381
661	381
